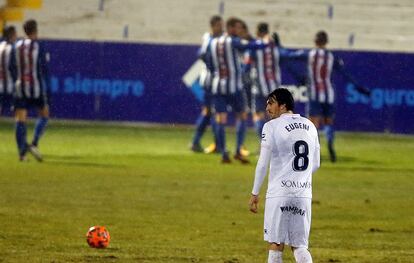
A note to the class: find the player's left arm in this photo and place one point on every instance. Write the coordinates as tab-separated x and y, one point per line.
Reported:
338	66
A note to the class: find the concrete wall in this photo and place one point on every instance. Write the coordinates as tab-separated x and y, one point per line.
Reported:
375	24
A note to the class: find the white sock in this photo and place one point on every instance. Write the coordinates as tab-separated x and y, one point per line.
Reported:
275	256
302	255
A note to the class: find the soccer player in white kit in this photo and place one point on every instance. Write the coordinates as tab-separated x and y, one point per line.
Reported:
290	144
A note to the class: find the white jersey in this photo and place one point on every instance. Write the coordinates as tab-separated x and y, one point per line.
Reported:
290	143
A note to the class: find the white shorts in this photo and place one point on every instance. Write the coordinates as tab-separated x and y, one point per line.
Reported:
287	220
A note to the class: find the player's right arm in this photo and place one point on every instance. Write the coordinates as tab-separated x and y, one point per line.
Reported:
293	54
248	45
204	45
262	166
202	51
338	66
293	61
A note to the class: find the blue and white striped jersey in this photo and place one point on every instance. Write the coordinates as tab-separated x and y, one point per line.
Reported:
226	64
320	65
6	76
31	68
266	69
226	57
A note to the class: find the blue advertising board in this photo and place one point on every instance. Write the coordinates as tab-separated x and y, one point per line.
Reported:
113	81
143	82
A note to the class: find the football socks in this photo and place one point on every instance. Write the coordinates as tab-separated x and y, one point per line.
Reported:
39	130
21	137
241	133
302	255
275	256
201	125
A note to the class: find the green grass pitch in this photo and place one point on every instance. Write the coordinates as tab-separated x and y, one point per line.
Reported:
162	203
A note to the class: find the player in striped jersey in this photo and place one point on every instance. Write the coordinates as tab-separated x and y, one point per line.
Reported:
321	63
246	65
227	85
6	74
246	76
265	73
216	30
31	86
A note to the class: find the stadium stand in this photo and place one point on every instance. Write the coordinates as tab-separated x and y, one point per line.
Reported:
375	24
13	10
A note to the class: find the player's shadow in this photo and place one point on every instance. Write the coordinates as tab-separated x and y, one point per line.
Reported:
72	160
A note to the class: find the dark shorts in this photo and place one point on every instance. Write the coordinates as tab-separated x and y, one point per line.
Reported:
23	103
325	110
247	88
6	101
259	103
236	101
207	99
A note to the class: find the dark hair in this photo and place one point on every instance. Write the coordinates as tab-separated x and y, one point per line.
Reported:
244	25
276	39
321	38
232	21
8	32
215	19
30	26
283	96
263	28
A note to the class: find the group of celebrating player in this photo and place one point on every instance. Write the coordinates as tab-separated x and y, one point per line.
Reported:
243	72
240	72
23	84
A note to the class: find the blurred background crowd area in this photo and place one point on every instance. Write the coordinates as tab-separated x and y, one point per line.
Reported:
381	25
